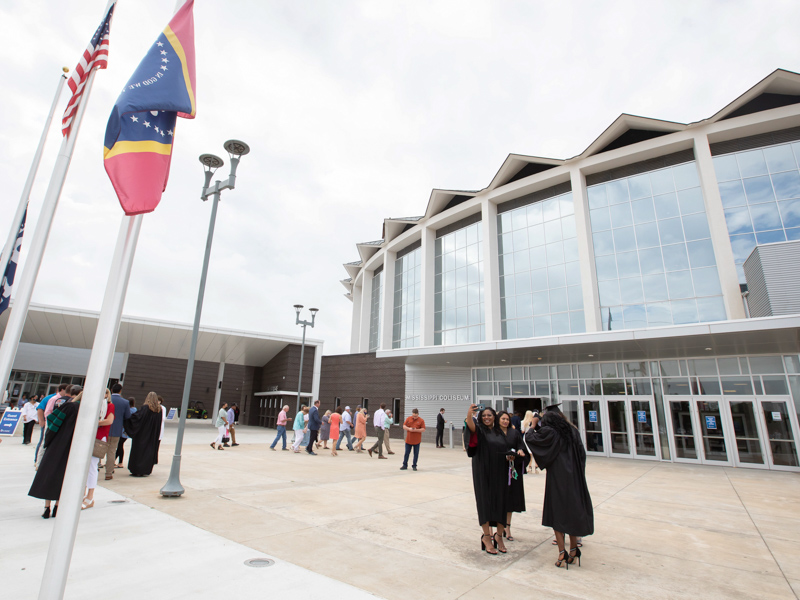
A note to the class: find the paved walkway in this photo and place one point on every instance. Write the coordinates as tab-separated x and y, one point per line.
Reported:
662	530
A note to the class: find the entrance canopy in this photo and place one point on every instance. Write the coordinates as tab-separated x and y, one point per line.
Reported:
73	328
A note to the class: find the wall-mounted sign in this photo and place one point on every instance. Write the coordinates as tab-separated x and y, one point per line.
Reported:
592	416
438	397
711	422
641	416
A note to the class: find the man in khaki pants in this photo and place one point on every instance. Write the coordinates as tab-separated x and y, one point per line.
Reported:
122	411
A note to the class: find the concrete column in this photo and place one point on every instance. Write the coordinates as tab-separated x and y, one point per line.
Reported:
217	394
428	286
583	227
355	320
723	253
366	303
387	301
317	371
491	272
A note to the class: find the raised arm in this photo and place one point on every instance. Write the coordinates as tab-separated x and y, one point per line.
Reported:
470	417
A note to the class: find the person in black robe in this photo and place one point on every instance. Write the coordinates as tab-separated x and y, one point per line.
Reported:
516	492
487	447
143	428
556	446
57	441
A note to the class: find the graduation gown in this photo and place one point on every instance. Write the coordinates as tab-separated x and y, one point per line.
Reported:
567	504
489	474
516	493
49	478
144	428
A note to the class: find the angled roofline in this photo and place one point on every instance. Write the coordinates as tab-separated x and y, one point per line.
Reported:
514	163
626	122
775	83
440	198
392	227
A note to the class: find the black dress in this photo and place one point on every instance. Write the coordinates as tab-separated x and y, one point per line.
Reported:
50	477
489	474
143	428
516	494
567	504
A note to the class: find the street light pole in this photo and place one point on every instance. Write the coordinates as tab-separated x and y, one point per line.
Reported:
304	323
236	150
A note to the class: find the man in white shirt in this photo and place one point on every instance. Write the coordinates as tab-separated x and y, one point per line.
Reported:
29	419
231	421
380	429
344	429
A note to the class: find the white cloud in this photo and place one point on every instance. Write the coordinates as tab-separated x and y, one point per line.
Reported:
354	111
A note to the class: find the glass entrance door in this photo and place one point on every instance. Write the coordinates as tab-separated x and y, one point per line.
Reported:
645	441
682	440
698	432
593	427
712	432
747	433
620	443
781	438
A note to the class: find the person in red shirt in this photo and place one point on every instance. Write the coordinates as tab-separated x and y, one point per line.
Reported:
414	426
103	430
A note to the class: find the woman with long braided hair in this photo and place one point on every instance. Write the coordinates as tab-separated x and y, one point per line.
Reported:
556	446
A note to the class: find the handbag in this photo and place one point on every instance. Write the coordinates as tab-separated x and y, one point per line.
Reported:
100	449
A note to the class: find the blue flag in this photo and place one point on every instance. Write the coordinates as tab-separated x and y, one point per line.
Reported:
11	269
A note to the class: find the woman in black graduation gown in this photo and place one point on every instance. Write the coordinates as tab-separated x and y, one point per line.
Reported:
516	492
57	441
487	447
556	446
143	428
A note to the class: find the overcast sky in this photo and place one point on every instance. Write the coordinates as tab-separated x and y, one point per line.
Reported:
354	112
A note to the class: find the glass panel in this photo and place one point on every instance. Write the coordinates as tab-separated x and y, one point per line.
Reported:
766	364
682	429
745	429
613	387
711	431
775	385
709	386
779	431
519	388
644	434
737	386
484	389
618	427
674	386
592	419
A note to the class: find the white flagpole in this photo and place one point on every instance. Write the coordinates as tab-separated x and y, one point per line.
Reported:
22	299
8	249
59	555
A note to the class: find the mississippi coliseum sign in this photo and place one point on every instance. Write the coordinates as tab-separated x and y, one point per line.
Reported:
438	397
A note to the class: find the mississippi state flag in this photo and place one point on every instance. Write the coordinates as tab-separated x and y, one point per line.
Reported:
141	128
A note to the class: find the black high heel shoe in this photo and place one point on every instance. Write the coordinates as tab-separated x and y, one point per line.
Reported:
494	539
572	557
507	533
484	547
46	513
55	510
563	561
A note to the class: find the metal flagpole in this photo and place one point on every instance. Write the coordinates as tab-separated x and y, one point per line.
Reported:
8	249
59	554
22	299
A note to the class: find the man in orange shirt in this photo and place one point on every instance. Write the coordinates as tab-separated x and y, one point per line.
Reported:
414	426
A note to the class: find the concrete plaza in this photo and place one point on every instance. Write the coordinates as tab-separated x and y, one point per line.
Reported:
351	526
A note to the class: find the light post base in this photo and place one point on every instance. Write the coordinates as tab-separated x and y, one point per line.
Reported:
173	487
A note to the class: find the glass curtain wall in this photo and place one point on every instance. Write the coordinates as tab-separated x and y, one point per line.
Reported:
407	294
760	191
458	295
653	254
375	312
540	281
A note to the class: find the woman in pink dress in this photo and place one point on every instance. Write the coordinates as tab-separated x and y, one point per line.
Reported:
361	428
336	420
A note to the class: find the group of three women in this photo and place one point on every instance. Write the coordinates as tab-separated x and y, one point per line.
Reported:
498	454
331	426
143	428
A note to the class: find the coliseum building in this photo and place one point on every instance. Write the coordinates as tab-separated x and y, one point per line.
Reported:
649	284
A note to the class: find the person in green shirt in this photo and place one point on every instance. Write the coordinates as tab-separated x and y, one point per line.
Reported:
299	428
221	424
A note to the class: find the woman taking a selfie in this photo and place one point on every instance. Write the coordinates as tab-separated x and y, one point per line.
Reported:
556	446
515	455
487	447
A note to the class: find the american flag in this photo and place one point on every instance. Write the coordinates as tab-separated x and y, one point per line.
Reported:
11	269
94	57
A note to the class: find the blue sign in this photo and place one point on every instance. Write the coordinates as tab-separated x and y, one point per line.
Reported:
9	422
641	416
592	416
171	414
711	422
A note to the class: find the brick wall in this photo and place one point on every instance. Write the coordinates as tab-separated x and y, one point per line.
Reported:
353	377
